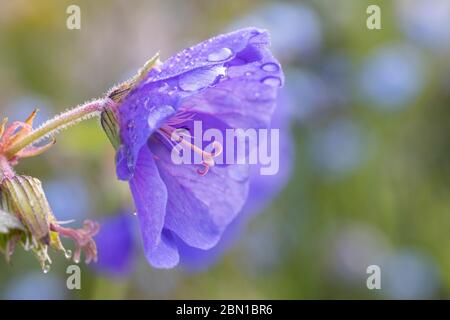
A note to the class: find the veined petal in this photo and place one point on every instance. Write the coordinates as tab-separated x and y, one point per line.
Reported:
246	96
211	52
200	207
165	255
140	115
150	198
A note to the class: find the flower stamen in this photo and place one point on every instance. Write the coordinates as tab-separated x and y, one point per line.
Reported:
207	157
82	238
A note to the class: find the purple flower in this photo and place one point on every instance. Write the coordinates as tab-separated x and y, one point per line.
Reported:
116	245
262	190
230	81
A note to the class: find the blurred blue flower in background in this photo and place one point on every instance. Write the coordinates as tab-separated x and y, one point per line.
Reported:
36	286
69	198
116	245
338	148
425	22
337	70
296	30
410	274
261	249
21	108
392	76
308	91
354	247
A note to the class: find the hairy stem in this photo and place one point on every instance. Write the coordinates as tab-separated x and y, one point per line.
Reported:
54	125
6	170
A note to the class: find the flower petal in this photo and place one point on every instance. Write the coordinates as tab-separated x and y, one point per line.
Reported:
211	52
200	207
140	115
246	97
150	198
165	255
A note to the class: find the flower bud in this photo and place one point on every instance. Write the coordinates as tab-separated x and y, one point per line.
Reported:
29	220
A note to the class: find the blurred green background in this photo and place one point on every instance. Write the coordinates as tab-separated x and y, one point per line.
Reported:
371	126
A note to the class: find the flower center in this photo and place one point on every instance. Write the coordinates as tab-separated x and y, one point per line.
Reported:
179	135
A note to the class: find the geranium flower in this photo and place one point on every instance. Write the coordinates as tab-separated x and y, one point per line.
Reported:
230	81
116	241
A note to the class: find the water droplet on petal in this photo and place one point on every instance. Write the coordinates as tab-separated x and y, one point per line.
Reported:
270	67
172	91
130	124
46	268
130	161
157	114
272	81
163	88
248	73
220	55
201	78
68	254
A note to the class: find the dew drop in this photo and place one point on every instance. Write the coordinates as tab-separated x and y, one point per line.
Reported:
158	113
270	67
201	78
46	268
248	73
68	254
134	213
220	55
130	162
163	88
172	91
130	124
255	95
272	81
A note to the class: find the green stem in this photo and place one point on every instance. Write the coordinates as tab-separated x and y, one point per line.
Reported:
59	122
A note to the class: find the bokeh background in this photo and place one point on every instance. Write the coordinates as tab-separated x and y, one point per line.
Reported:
370	120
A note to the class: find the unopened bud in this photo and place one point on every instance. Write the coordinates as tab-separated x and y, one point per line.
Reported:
32	224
